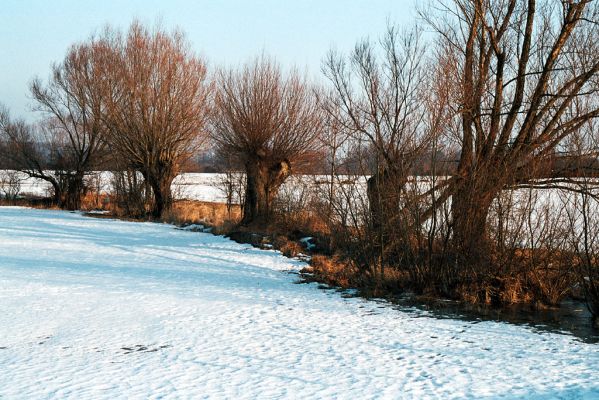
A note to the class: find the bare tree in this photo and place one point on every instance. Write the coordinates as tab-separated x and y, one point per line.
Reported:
10	184
527	72
34	150
333	140
230	182
269	122
72	103
129	192
583	212
157	106
379	101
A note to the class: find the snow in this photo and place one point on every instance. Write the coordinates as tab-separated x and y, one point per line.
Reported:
199	186
308	242
192	186
103	309
196	228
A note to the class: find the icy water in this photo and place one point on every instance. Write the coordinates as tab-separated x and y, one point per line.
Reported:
571	318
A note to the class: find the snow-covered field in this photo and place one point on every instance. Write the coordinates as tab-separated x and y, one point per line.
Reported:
96	308
193	186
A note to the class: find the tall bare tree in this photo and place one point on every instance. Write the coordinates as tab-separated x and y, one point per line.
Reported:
73	103
528	75
157	105
379	101
270	122
35	150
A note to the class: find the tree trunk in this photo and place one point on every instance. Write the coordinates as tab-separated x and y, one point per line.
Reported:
58	193
161	189
383	199
383	193
470	208
263	182
74	192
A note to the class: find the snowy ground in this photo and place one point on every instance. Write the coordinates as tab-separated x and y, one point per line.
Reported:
94	308
193	186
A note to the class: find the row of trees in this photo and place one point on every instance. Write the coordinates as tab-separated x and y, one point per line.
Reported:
509	91
142	103
137	100
499	95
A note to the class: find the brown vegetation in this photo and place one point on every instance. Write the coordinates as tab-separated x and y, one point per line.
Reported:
517	100
215	215
157	105
267	122
39	152
73	103
507	107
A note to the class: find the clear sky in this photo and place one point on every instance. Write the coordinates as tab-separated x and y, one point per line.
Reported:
35	33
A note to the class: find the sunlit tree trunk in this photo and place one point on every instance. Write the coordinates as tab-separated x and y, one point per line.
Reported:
160	182
263	183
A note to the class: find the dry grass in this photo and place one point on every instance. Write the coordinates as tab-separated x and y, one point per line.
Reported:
338	271
183	212
307	222
289	248
95	201
496	291
548	275
202	212
39	203
333	271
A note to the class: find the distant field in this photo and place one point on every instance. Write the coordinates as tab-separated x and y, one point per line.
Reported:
208	187
192	186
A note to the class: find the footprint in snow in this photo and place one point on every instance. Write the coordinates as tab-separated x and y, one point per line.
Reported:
143	349
44	339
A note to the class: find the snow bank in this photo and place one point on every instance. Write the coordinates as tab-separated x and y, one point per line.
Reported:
96	308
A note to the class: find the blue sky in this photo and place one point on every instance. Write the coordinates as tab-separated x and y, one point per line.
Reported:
35	33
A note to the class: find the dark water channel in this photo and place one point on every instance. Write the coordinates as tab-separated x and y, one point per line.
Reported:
571	318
